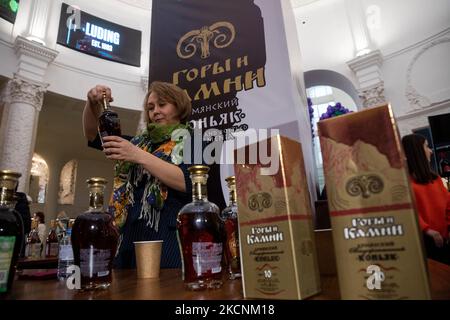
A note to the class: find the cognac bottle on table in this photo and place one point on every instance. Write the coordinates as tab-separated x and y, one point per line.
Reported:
108	122
51	245
34	245
11	230
229	217
94	240
200	236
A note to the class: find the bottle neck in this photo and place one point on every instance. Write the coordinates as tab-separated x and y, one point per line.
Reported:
95	201
232	196
7	198
105	104
199	191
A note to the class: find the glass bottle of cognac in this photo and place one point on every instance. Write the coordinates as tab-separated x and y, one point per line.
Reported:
51	244
200	236
229	216
94	240
11	230
33	247
108	122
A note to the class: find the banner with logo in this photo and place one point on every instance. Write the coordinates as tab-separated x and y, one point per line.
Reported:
235	59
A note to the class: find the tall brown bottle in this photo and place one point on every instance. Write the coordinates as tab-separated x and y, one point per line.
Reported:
94	240
11	230
200	236
108	122
229	216
34	245
52	245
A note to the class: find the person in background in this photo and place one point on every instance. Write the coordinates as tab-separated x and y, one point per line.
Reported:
40	217
151	181
432	198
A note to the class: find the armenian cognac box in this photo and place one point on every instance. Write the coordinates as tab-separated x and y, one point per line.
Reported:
377	240
278	254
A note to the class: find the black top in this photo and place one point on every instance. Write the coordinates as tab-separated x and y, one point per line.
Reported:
23	208
136	229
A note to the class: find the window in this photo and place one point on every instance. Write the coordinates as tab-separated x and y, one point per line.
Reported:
38	179
67	183
322	97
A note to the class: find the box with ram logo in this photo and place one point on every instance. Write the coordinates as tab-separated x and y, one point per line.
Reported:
377	240
277	243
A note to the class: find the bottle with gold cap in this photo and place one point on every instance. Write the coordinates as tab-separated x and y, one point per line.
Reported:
200	236
51	244
108	122
229	216
94	240
11	230
33	247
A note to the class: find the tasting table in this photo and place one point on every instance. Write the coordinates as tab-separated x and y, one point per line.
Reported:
126	286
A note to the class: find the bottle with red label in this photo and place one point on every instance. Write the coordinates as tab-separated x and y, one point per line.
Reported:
52	244
201	236
229	216
94	240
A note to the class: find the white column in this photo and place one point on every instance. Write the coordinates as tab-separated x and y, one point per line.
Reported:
38	20
367	69
358	26
24	98
51	196
25	102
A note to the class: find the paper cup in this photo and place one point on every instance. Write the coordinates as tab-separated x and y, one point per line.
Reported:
148	258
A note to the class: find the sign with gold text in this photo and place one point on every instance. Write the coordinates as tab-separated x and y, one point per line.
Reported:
233	60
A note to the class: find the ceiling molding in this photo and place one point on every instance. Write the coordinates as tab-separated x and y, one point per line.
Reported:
141	4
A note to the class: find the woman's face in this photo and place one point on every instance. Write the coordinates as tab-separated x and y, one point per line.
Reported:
160	111
428	151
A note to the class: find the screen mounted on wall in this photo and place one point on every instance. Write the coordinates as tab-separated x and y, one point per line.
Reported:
8	9
440	129
89	34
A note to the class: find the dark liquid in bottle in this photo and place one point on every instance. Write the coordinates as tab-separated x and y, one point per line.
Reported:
51	246
94	241
232	247
109	124
11	234
202	239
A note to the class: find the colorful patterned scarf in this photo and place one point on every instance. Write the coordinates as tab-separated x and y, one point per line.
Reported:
157	140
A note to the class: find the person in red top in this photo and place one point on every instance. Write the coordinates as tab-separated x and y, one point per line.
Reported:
432	198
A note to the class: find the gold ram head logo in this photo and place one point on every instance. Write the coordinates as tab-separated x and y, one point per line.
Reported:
221	34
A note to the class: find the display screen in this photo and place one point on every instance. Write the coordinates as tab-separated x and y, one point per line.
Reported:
440	129
8	9
86	33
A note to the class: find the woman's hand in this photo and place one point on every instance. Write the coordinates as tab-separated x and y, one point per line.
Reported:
95	95
92	110
117	148
438	240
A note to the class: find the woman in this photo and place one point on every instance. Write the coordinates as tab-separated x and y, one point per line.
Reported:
40	218
151	183
432	198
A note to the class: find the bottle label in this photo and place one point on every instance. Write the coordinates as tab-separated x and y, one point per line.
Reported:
65	252
6	255
34	250
95	262
207	257
52	249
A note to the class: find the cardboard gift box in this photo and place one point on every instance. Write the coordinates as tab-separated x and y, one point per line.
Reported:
277	243
377	240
